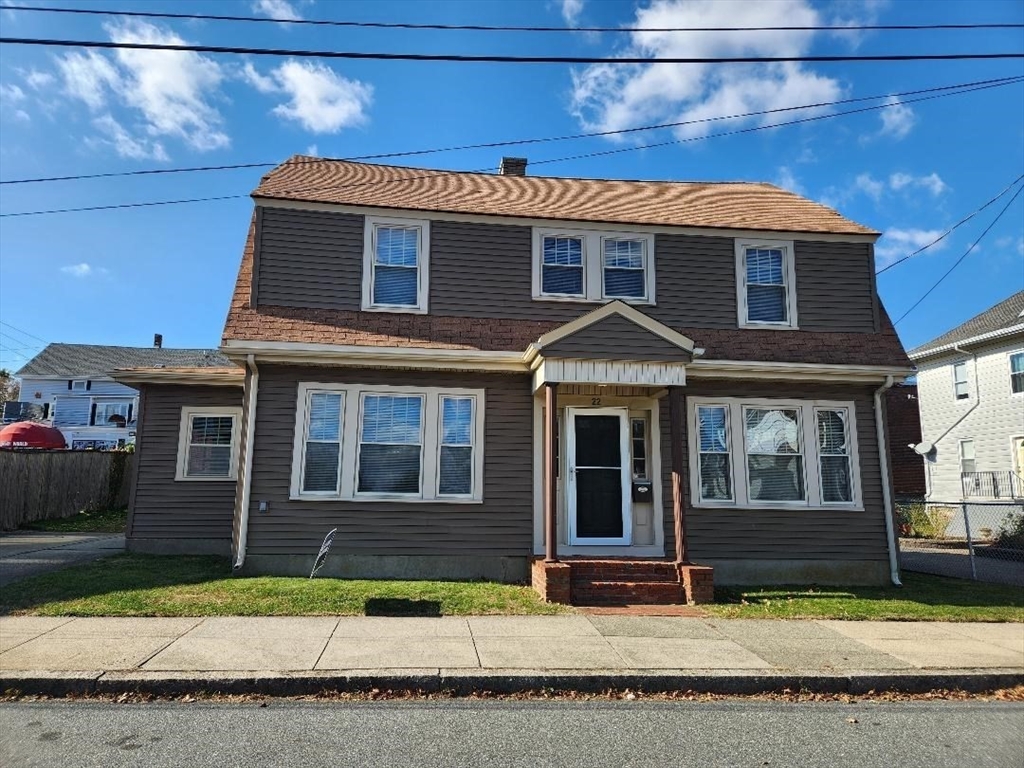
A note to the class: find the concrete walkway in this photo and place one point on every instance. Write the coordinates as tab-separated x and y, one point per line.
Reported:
218	649
28	553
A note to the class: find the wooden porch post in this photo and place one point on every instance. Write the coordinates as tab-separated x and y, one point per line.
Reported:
550	473
675	415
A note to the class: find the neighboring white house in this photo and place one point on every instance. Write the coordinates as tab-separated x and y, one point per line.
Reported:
970	388
68	386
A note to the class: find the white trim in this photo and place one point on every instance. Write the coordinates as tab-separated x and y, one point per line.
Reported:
481	218
624	473
622	372
960	454
1009	370
382	357
185	428
592	264
754	369
243	499
348	473
809	453
616	307
788	275
951	347
966	382
178	377
422	226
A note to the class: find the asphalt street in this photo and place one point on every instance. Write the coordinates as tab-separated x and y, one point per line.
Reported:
467	733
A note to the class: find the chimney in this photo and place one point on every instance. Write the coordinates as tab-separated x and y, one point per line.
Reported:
513	166
158	340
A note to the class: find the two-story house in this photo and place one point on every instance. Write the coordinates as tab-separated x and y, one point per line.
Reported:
971	394
68	386
468	373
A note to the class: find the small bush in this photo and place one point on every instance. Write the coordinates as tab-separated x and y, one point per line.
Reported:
1011	532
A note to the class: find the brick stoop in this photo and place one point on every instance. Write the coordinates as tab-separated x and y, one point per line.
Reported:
624	582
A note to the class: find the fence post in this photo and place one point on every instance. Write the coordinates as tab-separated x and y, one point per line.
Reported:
970	542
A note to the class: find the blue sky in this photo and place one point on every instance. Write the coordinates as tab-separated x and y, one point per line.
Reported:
117	277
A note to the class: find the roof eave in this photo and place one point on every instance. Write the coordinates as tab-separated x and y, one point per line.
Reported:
922	353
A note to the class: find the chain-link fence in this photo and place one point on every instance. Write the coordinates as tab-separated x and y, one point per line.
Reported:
981	540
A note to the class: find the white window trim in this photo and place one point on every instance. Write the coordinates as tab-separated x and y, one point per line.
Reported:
370	225
83	388
738	454
961	457
788	273
593	265
185	429
967	380
352	404
1009	371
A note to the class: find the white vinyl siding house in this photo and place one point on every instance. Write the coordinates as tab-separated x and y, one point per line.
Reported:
976	426
96	414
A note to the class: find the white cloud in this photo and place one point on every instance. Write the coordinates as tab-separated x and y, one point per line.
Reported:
870	186
11	93
172	91
282	10
612	97
787	180
897	243
1010	243
313	150
39	80
22	115
932	183
897	120
79	270
854	13
127	145
88	76
571	11
319	99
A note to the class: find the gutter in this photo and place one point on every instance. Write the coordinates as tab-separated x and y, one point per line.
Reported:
883	460
250	439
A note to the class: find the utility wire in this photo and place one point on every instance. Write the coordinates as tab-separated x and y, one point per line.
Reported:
489	28
965	255
499	59
950	230
952	89
432	174
23	333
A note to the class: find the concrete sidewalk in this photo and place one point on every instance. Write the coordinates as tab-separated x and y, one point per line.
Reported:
29	553
603	651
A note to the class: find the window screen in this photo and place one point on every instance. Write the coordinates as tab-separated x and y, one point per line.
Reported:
209	446
562	266
456	447
713	451
323	443
390	447
624	268
396	266
766	286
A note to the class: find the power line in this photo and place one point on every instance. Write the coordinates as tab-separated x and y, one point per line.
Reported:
491	28
950	230
431	174
966	254
500	59
23	333
952	89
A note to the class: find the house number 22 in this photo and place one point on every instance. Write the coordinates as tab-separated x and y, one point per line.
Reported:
595	401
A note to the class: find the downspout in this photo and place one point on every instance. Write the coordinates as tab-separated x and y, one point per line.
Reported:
883	460
250	439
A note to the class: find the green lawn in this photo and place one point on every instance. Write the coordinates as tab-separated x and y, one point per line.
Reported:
101	521
921	598
148	585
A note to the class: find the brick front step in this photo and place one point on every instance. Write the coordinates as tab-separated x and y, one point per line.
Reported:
623	570
626	592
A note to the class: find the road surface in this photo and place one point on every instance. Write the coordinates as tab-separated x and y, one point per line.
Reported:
505	733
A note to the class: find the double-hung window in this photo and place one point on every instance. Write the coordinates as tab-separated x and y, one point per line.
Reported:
391	444
593	266
396	264
1017	372
208	443
766	289
767	453
961	389
111	413
367	443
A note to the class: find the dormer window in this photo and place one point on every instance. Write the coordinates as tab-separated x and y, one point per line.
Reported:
765	283
395	264
593	266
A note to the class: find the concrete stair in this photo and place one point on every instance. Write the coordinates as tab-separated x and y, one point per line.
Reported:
624	582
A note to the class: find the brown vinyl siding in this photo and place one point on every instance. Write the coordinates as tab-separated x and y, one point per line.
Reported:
616	338
501	525
835	286
165	508
309	259
784	534
314	259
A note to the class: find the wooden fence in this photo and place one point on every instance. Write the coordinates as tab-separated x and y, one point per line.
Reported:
44	485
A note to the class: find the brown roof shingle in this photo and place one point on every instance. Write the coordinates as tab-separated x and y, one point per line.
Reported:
725	205
324	326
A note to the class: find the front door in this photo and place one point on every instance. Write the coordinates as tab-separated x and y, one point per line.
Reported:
597	464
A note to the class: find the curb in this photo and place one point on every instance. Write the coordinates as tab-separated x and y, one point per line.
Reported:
468	682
